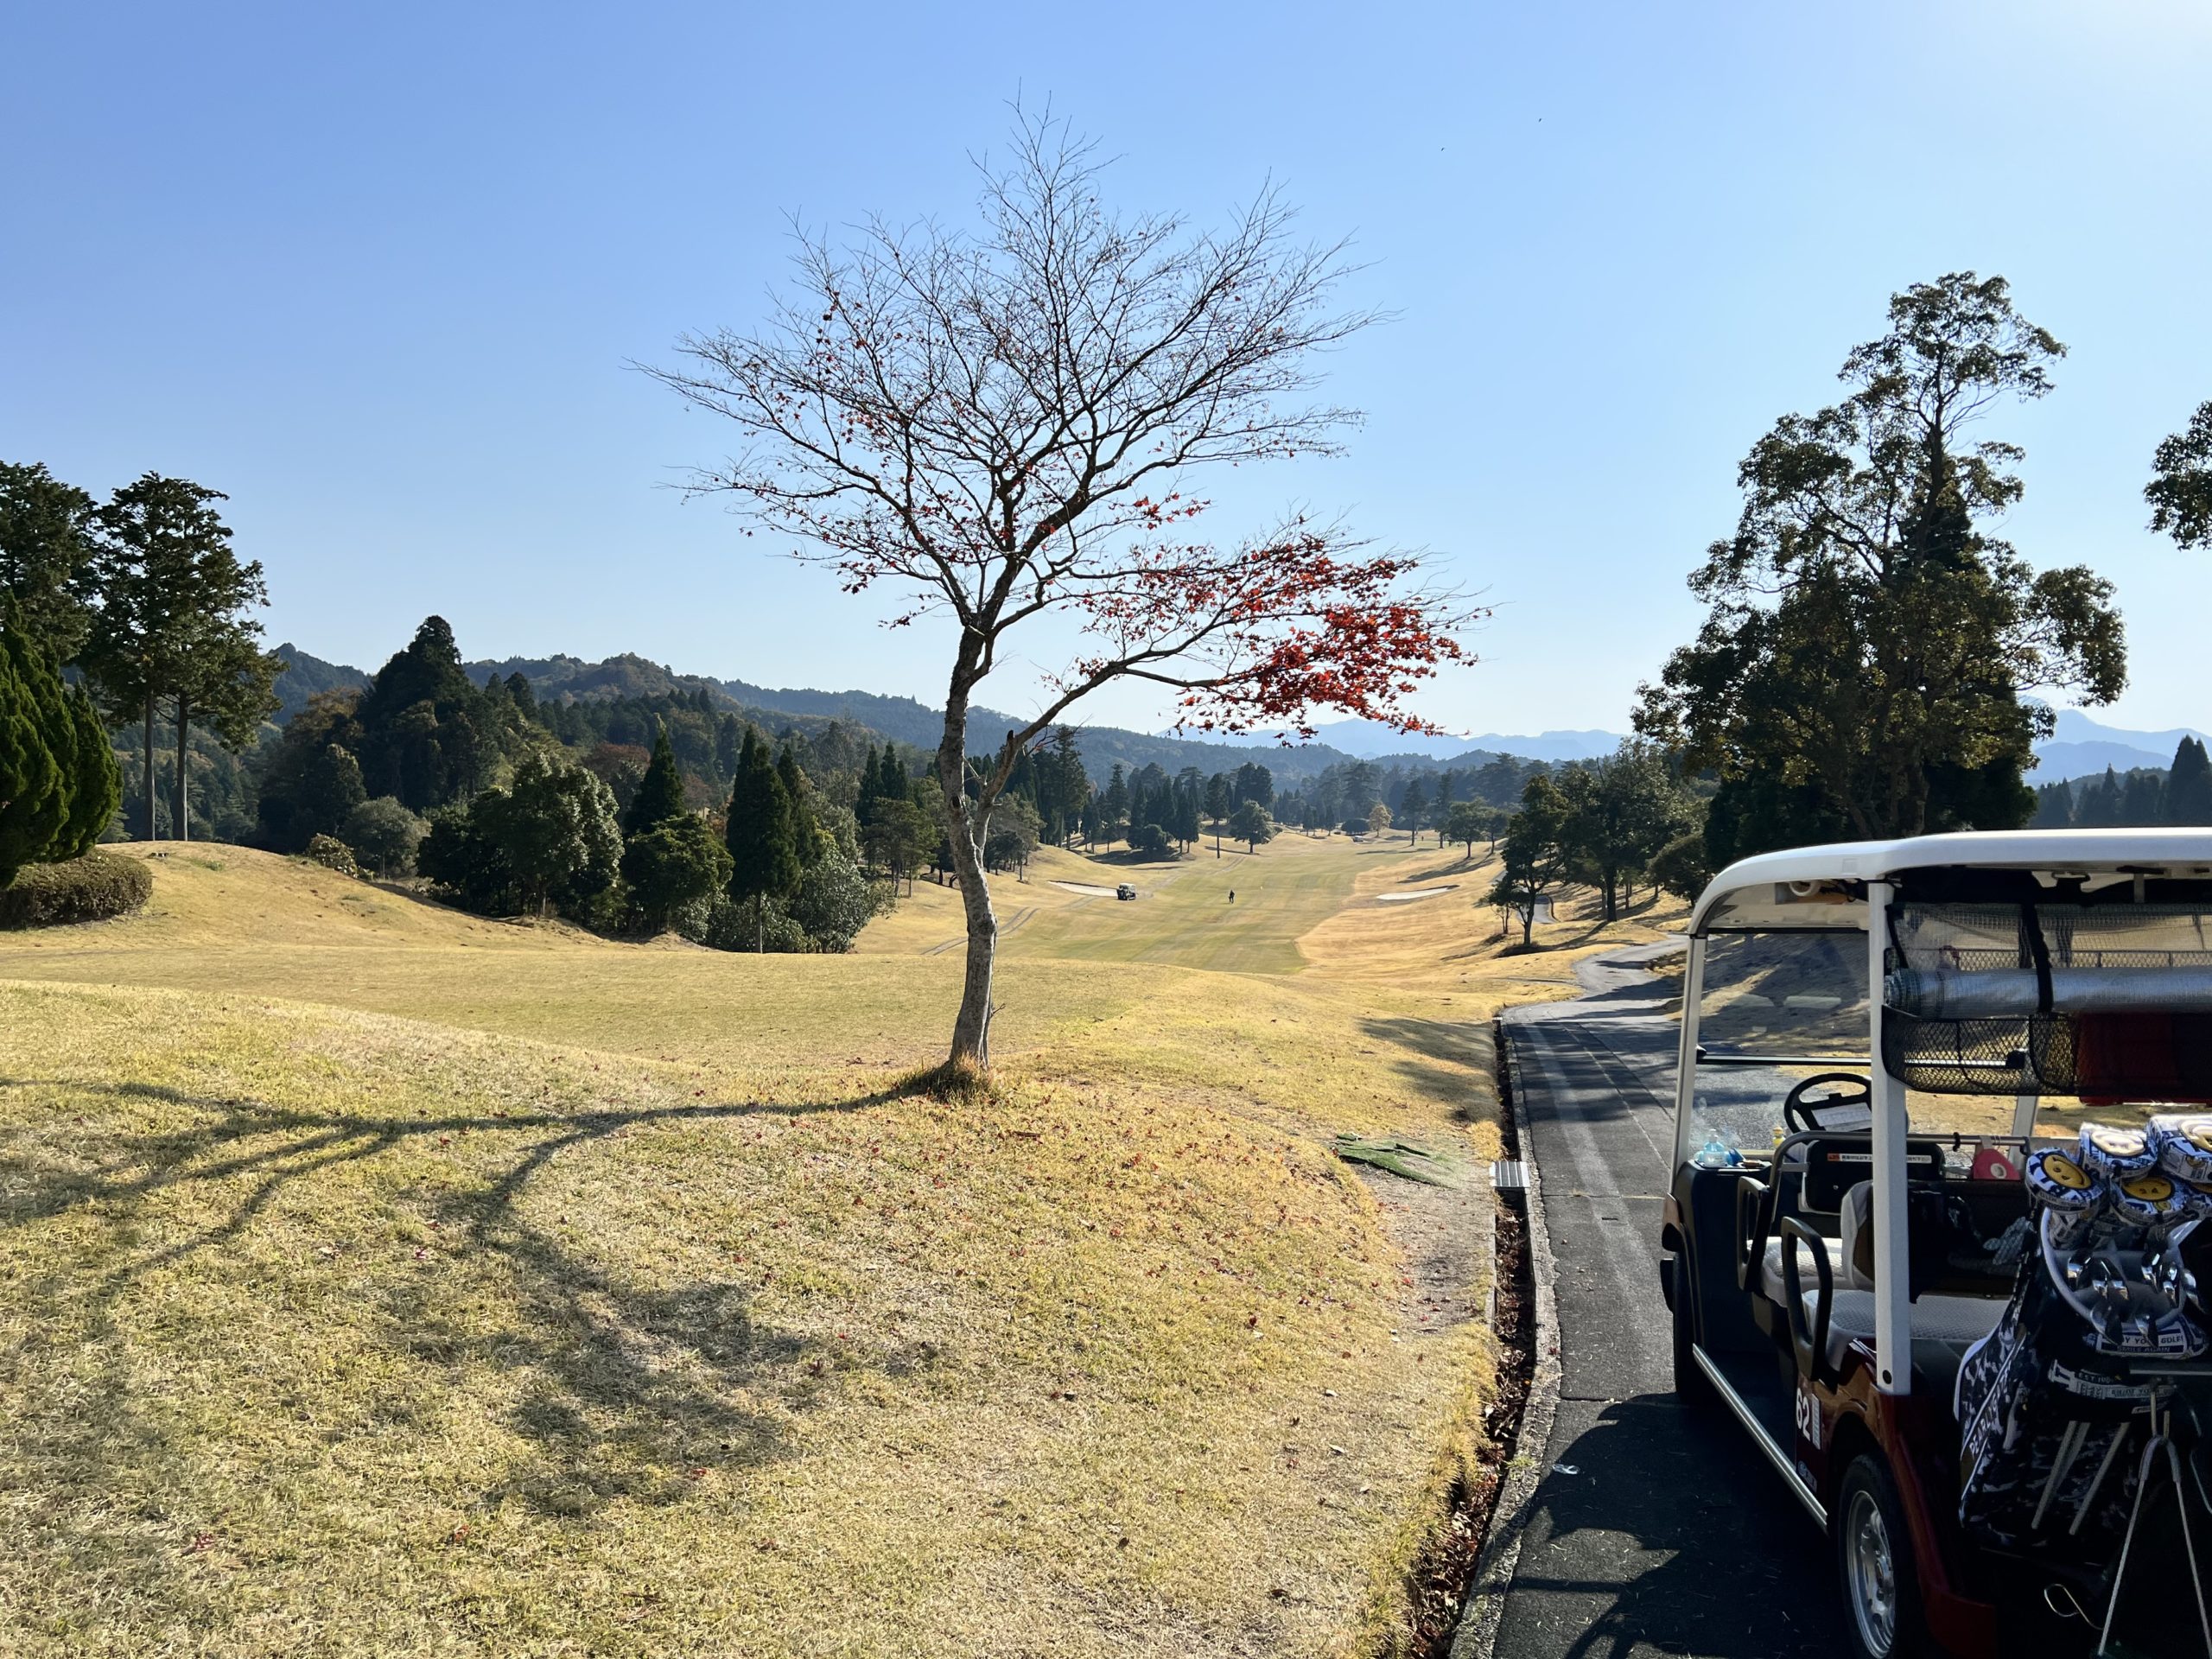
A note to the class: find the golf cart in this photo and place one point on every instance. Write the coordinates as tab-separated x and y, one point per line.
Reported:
1932	1238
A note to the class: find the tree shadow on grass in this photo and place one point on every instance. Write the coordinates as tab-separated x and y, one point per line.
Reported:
1444	1051
627	1392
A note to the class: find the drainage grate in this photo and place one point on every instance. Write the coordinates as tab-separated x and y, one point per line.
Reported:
1508	1175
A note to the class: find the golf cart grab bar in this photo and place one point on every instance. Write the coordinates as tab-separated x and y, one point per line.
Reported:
1712	1056
1807	1337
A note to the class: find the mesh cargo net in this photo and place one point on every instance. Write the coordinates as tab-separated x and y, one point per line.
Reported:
2107	1002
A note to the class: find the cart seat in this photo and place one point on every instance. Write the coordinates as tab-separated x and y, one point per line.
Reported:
1807	1268
1944	1328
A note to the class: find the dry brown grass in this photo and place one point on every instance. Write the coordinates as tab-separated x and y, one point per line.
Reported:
504	1291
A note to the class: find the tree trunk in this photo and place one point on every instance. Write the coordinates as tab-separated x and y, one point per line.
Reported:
971	1031
148	757
183	814
1527	922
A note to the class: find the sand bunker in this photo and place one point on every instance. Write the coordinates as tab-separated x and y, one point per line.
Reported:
1085	887
1418	893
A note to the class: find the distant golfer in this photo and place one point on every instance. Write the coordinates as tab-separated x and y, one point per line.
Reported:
1232	895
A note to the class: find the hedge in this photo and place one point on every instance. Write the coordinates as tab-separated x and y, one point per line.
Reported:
88	889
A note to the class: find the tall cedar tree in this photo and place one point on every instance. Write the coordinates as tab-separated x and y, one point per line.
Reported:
1005	425
660	792
805	844
45	551
764	858
2189	785
1862	670
169	626
428	735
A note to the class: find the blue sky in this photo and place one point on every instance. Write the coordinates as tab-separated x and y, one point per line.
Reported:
376	272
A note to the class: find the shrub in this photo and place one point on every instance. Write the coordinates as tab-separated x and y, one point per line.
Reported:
384	836
333	855
87	889
730	927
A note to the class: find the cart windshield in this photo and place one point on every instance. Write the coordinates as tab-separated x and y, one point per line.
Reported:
1776	1010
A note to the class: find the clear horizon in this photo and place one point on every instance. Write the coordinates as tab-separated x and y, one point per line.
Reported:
378	278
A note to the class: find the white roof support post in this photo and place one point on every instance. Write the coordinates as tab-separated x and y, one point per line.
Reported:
2023	1115
1686	1067
1893	1307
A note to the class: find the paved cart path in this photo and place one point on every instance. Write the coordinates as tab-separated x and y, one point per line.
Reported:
1670	1535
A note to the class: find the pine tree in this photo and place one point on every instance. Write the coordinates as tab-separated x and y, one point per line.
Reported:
2189	786
660	792
764	859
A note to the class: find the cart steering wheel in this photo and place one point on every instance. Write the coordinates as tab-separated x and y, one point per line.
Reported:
1796	1110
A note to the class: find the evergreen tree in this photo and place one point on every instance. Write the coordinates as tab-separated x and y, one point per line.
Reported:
1250	824
660	793
764	857
806	841
2143	800
38	749
1412	806
169	628
555	827
2101	803
427	734
1113	809
97	786
518	693
45	551
2189	785
871	790
2054	806
674	866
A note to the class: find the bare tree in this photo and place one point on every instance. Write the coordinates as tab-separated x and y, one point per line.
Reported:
1003	425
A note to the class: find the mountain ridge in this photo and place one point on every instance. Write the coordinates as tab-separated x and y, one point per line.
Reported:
2078	746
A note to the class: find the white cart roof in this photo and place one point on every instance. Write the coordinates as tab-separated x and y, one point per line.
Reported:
2155	852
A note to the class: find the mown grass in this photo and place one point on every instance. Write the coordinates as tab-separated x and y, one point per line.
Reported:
379	1279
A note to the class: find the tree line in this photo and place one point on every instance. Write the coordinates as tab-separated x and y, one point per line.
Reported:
2141	798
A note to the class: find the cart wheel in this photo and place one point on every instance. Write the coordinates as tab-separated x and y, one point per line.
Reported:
1874	1564
1692	1386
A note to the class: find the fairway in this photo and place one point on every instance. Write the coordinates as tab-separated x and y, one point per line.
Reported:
383	1280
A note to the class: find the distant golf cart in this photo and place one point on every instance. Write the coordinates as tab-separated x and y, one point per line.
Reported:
1125	890
1973	1344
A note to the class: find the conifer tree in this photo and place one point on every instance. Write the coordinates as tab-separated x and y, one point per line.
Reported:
2189	786
764	861
1412	805
34	781
805	844
660	792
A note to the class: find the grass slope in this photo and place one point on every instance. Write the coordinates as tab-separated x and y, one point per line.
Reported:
379	1279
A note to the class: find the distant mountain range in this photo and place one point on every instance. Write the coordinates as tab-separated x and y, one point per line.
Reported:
2079	746
1370	740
